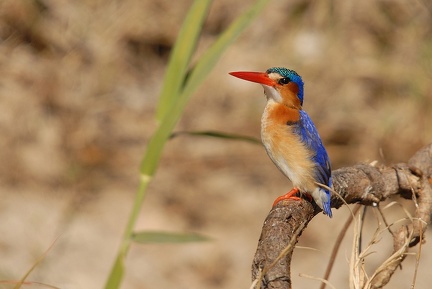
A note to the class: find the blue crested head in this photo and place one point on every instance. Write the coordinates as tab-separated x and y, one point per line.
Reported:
292	75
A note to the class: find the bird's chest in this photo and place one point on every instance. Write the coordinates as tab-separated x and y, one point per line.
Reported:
279	134
280	141
279	129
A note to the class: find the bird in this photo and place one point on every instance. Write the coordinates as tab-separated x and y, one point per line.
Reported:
290	137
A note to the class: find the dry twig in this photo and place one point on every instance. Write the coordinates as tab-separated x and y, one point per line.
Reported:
363	184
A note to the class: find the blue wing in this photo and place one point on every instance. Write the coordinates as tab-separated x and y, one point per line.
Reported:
311	138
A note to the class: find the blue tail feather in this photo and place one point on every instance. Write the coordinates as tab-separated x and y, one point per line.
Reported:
327	205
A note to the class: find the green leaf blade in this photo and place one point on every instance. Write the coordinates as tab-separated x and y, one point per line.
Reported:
116	275
181	55
158	237
218	134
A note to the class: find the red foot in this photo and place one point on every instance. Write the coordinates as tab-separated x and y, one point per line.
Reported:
291	195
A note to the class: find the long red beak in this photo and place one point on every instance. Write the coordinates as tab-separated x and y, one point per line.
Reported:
258	77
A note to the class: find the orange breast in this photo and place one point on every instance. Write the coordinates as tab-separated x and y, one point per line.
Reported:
284	146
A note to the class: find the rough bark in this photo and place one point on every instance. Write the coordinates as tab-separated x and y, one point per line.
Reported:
365	184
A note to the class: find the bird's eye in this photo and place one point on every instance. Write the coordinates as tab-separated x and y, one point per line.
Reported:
284	80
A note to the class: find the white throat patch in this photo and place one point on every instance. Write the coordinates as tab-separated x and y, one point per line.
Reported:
272	93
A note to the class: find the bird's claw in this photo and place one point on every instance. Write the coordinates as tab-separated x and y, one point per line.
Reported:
291	195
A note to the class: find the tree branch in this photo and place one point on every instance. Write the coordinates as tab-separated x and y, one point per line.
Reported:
364	184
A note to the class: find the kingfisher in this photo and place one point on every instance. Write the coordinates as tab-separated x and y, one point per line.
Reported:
290	137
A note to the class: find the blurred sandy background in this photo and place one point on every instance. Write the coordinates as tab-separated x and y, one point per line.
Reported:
79	82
